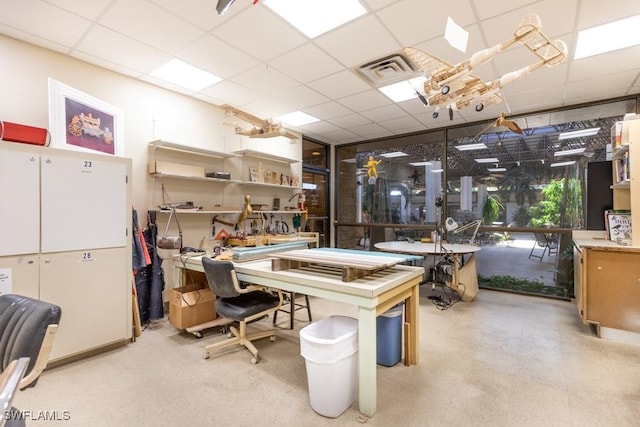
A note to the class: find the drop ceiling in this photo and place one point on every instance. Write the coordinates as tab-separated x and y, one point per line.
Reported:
269	68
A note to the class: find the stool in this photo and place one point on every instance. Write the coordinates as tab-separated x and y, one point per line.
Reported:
290	297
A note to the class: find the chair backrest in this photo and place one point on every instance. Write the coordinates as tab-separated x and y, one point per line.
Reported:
27	327
221	277
541	239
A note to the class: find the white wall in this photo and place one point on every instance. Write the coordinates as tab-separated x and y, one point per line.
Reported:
150	113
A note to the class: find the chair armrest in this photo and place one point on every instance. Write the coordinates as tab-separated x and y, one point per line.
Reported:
43	357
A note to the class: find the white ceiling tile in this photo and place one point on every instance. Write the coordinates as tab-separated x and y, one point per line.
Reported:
328	110
401	124
118	49
217	57
301	96
266	80
365	100
350	120
414	21
268	107
87	9
201	13
260	33
320	127
45	21
32	39
592	13
624	59
340	84
231	93
150	24
387	112
368	39
306	63
100	62
377	4
372	130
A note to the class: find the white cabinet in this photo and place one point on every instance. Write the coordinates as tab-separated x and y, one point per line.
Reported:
67	216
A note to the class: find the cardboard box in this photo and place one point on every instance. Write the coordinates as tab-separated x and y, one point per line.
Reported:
190	306
178	169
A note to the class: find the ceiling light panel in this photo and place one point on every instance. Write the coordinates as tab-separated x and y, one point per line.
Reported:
315	17
558	164
394	154
488	160
578	133
608	37
570	152
185	75
468	147
404	90
297	118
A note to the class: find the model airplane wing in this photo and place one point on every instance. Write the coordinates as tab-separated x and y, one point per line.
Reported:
428	64
261	128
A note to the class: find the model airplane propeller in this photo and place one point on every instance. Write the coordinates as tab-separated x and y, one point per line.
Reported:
261	128
453	85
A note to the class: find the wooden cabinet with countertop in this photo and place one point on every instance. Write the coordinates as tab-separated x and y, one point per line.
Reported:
607	282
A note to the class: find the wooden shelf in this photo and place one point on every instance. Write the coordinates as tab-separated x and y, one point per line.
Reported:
262	184
261	155
195	178
159	144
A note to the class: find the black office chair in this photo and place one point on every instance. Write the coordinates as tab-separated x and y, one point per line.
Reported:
27	330
239	304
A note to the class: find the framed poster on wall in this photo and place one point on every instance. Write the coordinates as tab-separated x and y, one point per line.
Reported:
78	121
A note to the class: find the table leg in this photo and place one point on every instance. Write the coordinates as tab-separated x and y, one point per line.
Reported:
411	307
367	392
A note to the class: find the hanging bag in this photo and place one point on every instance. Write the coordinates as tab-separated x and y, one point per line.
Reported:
170	242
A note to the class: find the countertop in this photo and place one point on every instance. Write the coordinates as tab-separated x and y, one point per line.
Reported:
596	239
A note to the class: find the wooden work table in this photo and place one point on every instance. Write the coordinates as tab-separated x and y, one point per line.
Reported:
373	295
607	285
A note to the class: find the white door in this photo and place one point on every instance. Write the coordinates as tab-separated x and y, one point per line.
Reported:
91	289
84	203
19	203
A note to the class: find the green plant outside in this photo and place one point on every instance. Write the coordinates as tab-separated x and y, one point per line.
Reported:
491	209
521	285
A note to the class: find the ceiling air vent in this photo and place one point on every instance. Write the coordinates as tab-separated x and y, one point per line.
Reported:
387	70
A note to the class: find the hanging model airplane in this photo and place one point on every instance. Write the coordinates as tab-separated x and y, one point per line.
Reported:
266	128
453	85
502	121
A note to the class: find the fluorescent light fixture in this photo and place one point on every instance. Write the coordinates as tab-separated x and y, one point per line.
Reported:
420	163
404	90
309	186
578	133
558	164
608	37
395	193
315	17
184	75
352	160
497	169
394	154
223	6
570	152
488	160
468	147
297	118
437	170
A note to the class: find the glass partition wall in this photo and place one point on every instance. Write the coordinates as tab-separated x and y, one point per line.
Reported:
525	181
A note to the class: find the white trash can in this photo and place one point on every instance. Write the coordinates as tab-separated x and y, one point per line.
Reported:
330	349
